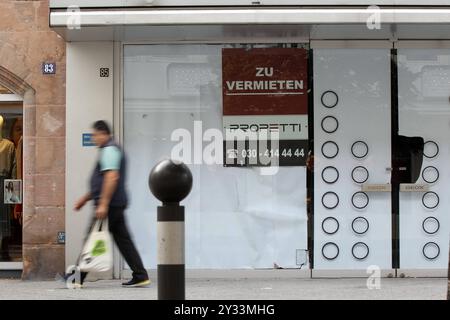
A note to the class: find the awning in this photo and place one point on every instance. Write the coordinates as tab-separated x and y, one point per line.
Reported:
257	3
310	23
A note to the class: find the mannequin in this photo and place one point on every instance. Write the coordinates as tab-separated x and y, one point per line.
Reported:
7	171
7	155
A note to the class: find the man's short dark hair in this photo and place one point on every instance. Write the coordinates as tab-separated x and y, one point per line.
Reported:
102	126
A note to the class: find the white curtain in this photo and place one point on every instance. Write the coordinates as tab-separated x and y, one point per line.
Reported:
235	217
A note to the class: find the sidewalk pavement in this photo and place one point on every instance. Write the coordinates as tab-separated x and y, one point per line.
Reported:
235	289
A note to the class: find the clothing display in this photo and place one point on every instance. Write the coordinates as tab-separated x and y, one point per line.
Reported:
7	171
19	159
18	208
7	159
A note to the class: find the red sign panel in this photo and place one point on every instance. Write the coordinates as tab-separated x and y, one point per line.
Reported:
266	81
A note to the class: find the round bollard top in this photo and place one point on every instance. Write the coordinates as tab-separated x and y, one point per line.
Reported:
170	181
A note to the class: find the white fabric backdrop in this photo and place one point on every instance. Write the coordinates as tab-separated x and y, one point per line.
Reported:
235	217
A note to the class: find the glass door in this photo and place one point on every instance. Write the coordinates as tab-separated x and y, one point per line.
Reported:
424	91
352	148
11	172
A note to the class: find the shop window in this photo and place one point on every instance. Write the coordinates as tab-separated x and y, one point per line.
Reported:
11	172
235	217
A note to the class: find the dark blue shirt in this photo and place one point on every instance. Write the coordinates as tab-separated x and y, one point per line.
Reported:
111	158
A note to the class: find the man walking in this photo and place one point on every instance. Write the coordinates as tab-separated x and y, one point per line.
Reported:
107	190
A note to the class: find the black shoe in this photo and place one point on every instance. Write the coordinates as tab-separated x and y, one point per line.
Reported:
135	283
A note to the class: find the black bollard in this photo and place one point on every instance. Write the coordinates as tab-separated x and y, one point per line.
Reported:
170	182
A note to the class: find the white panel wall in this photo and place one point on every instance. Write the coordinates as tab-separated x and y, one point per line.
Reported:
361	79
89	98
424	110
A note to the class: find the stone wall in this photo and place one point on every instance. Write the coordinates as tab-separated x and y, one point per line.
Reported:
26	41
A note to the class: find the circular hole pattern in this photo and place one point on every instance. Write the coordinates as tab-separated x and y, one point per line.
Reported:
330	149
360	174
360	251
330	174
430	149
431	250
330	200
330	251
360	149
430	174
431	225
329	124
329	99
430	200
360	200
330	225
360	225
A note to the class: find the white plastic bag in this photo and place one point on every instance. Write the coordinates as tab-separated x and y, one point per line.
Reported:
97	254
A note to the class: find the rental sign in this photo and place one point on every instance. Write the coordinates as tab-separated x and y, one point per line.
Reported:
265	106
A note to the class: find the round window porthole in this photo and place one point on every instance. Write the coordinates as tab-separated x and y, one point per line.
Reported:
330	200
360	225
360	200
330	251
330	149
330	175
431	250
329	124
360	149
430	174
431	225
330	225
430	149
329	99
430	200
360	251
360	174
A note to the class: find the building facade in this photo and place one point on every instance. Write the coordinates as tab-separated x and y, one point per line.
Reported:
34	101
358	97
367	77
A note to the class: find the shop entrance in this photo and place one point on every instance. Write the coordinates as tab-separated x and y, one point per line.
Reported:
11	172
352	147
381	128
380	144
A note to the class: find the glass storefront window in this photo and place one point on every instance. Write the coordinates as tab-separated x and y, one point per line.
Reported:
377	158
235	217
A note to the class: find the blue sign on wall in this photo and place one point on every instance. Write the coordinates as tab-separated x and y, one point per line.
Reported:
87	140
